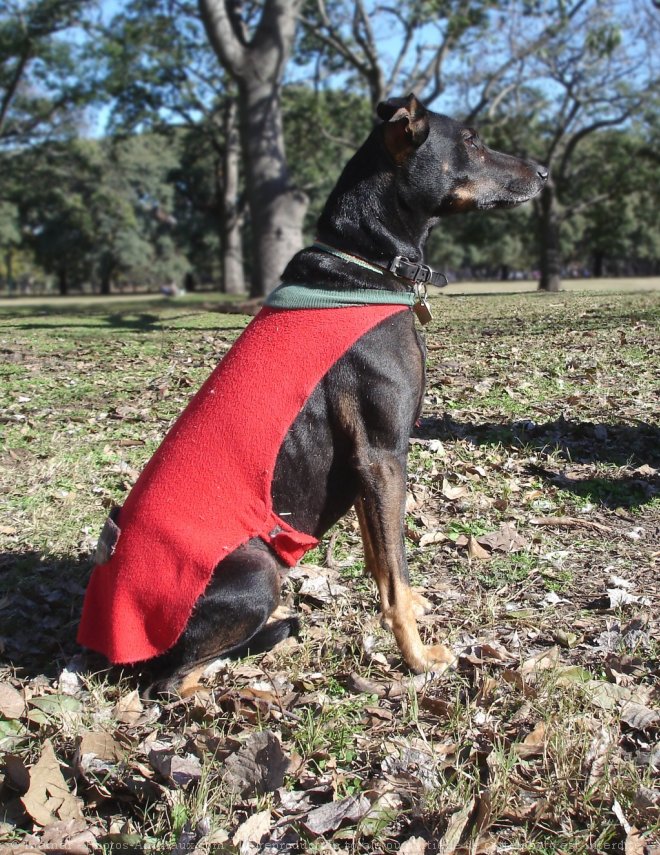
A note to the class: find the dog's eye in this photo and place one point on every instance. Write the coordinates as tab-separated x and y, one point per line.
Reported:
470	138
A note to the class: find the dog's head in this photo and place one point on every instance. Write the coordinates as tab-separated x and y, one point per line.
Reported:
444	166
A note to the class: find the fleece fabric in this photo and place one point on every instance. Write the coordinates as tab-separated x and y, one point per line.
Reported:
207	489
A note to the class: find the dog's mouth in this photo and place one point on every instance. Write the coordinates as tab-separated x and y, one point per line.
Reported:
485	195
517	199
508	197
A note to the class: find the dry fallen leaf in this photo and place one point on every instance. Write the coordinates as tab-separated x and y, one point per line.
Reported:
426	540
533	744
639	717
179	770
129	708
329	817
476	551
259	765
303	801
647	801
101	744
635	844
606	695
457	823
544	660
71	836
392	689
322	589
619	597
505	539
12	703
452	493
48	798
252	832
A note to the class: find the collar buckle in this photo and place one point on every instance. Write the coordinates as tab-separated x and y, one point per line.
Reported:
407	269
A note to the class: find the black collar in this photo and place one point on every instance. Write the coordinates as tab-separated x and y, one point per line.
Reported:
399	266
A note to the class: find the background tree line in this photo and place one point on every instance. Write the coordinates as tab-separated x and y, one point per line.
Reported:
153	142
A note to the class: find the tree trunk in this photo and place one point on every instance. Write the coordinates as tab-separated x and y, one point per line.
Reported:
549	238
277	209
106	282
231	237
63	281
257	64
9	264
599	260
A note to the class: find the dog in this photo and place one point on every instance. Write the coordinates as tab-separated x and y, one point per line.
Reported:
347	443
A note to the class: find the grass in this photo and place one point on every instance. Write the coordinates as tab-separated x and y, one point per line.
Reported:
540	422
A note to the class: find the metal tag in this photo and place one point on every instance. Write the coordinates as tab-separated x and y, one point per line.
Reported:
423	311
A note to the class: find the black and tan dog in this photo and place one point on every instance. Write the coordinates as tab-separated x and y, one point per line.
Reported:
348	446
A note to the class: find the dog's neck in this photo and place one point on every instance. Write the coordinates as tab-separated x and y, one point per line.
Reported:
366	215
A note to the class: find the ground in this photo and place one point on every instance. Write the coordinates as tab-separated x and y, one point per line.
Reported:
533	527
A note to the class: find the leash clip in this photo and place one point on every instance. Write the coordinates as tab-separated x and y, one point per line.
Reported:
420	291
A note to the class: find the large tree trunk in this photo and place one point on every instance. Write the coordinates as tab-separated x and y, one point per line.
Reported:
549	239
9	264
257	64
231	237
63	281
599	263
277	209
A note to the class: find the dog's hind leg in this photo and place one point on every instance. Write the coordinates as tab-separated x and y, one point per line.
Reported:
230	618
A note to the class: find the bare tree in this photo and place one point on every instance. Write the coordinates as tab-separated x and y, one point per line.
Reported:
571	67
355	33
595	74
428	48
256	57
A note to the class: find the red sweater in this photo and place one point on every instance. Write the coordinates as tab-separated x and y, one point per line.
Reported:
207	489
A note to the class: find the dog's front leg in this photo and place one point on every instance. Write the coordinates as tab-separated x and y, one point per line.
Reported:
381	508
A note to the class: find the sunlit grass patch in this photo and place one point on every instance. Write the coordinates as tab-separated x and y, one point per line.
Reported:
530	500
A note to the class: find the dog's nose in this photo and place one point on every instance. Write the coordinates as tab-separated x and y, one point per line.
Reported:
542	173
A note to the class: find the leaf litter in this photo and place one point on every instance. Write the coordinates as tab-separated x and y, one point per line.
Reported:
533	532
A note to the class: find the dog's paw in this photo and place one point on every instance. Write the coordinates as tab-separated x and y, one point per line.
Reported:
421	606
438	658
180	684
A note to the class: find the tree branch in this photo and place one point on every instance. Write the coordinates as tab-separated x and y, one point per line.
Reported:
364	36
13	84
518	55
578	136
331	39
226	42
571	210
275	31
433	70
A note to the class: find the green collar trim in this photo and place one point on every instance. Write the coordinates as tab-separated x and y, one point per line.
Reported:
288	296
353	259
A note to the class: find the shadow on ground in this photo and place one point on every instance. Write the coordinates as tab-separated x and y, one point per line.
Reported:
580	444
129	321
40	602
148	316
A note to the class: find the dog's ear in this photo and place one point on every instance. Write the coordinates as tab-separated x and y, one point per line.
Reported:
406	124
